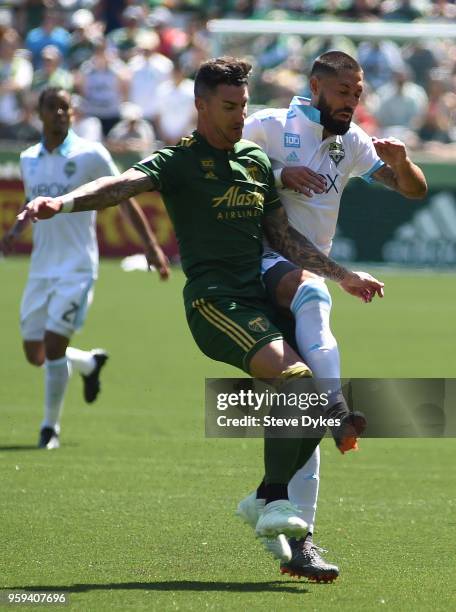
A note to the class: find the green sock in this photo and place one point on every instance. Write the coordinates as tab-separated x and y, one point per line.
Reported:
280	458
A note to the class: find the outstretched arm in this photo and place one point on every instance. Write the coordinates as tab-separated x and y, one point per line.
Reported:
102	193
10	237
298	249
152	250
399	172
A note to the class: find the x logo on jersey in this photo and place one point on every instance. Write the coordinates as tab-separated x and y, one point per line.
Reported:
332	182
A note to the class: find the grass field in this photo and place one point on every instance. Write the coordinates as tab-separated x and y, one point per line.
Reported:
135	511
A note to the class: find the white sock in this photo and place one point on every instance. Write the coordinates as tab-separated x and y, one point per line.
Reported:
303	488
57	373
82	361
311	307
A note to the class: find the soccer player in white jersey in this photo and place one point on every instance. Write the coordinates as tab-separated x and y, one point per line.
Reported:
64	261
315	148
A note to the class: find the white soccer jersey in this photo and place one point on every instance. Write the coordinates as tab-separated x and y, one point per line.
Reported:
293	137
67	243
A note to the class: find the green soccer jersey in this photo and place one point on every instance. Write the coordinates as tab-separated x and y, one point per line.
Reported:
216	200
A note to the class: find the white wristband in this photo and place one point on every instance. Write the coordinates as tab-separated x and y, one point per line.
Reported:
67	204
278	177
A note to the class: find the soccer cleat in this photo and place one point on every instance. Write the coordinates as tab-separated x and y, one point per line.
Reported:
307	562
249	510
92	380
281	517
352	425
49	438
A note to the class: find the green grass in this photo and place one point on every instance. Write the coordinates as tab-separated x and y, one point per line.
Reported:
135	511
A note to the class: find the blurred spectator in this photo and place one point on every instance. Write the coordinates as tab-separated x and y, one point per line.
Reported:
421	59
317	45
16	74
125	39
401	103
198	47
49	33
51	74
172	40
442	10
103	83
406	10
362	10
132	133
110	12
83	124
436	123
28	127
6	21
176	107
379	60
84	34
149	69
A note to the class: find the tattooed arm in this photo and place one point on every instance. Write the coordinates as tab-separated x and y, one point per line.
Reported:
104	192
298	249
399	172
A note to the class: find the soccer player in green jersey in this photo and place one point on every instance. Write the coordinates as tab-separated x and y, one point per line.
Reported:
219	192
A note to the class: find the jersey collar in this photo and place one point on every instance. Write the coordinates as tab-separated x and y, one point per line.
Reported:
62	149
220	152
302	108
303	105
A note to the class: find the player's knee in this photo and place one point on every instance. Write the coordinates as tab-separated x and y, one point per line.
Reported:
287	287
310	292
55	346
34	357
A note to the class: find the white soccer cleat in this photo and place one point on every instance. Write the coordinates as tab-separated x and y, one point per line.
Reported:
281	517
249	510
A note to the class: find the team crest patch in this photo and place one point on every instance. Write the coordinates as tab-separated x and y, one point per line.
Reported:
207	164
258	324
336	152
69	168
254	173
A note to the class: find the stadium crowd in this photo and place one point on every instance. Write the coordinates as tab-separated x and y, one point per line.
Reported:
130	65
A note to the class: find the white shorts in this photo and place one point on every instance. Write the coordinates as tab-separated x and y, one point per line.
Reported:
55	304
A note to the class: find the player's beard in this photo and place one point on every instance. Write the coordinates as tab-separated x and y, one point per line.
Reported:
334	126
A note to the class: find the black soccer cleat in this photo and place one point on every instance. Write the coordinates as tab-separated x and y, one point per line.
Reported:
352	425
49	438
92	380
306	562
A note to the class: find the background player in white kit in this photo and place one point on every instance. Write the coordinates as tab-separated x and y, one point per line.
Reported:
64	261
315	149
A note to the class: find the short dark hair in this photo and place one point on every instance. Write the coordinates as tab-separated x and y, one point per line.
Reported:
48	92
333	62
221	71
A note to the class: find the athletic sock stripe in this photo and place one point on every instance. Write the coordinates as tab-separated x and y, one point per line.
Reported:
219	324
248	338
309	296
222	327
